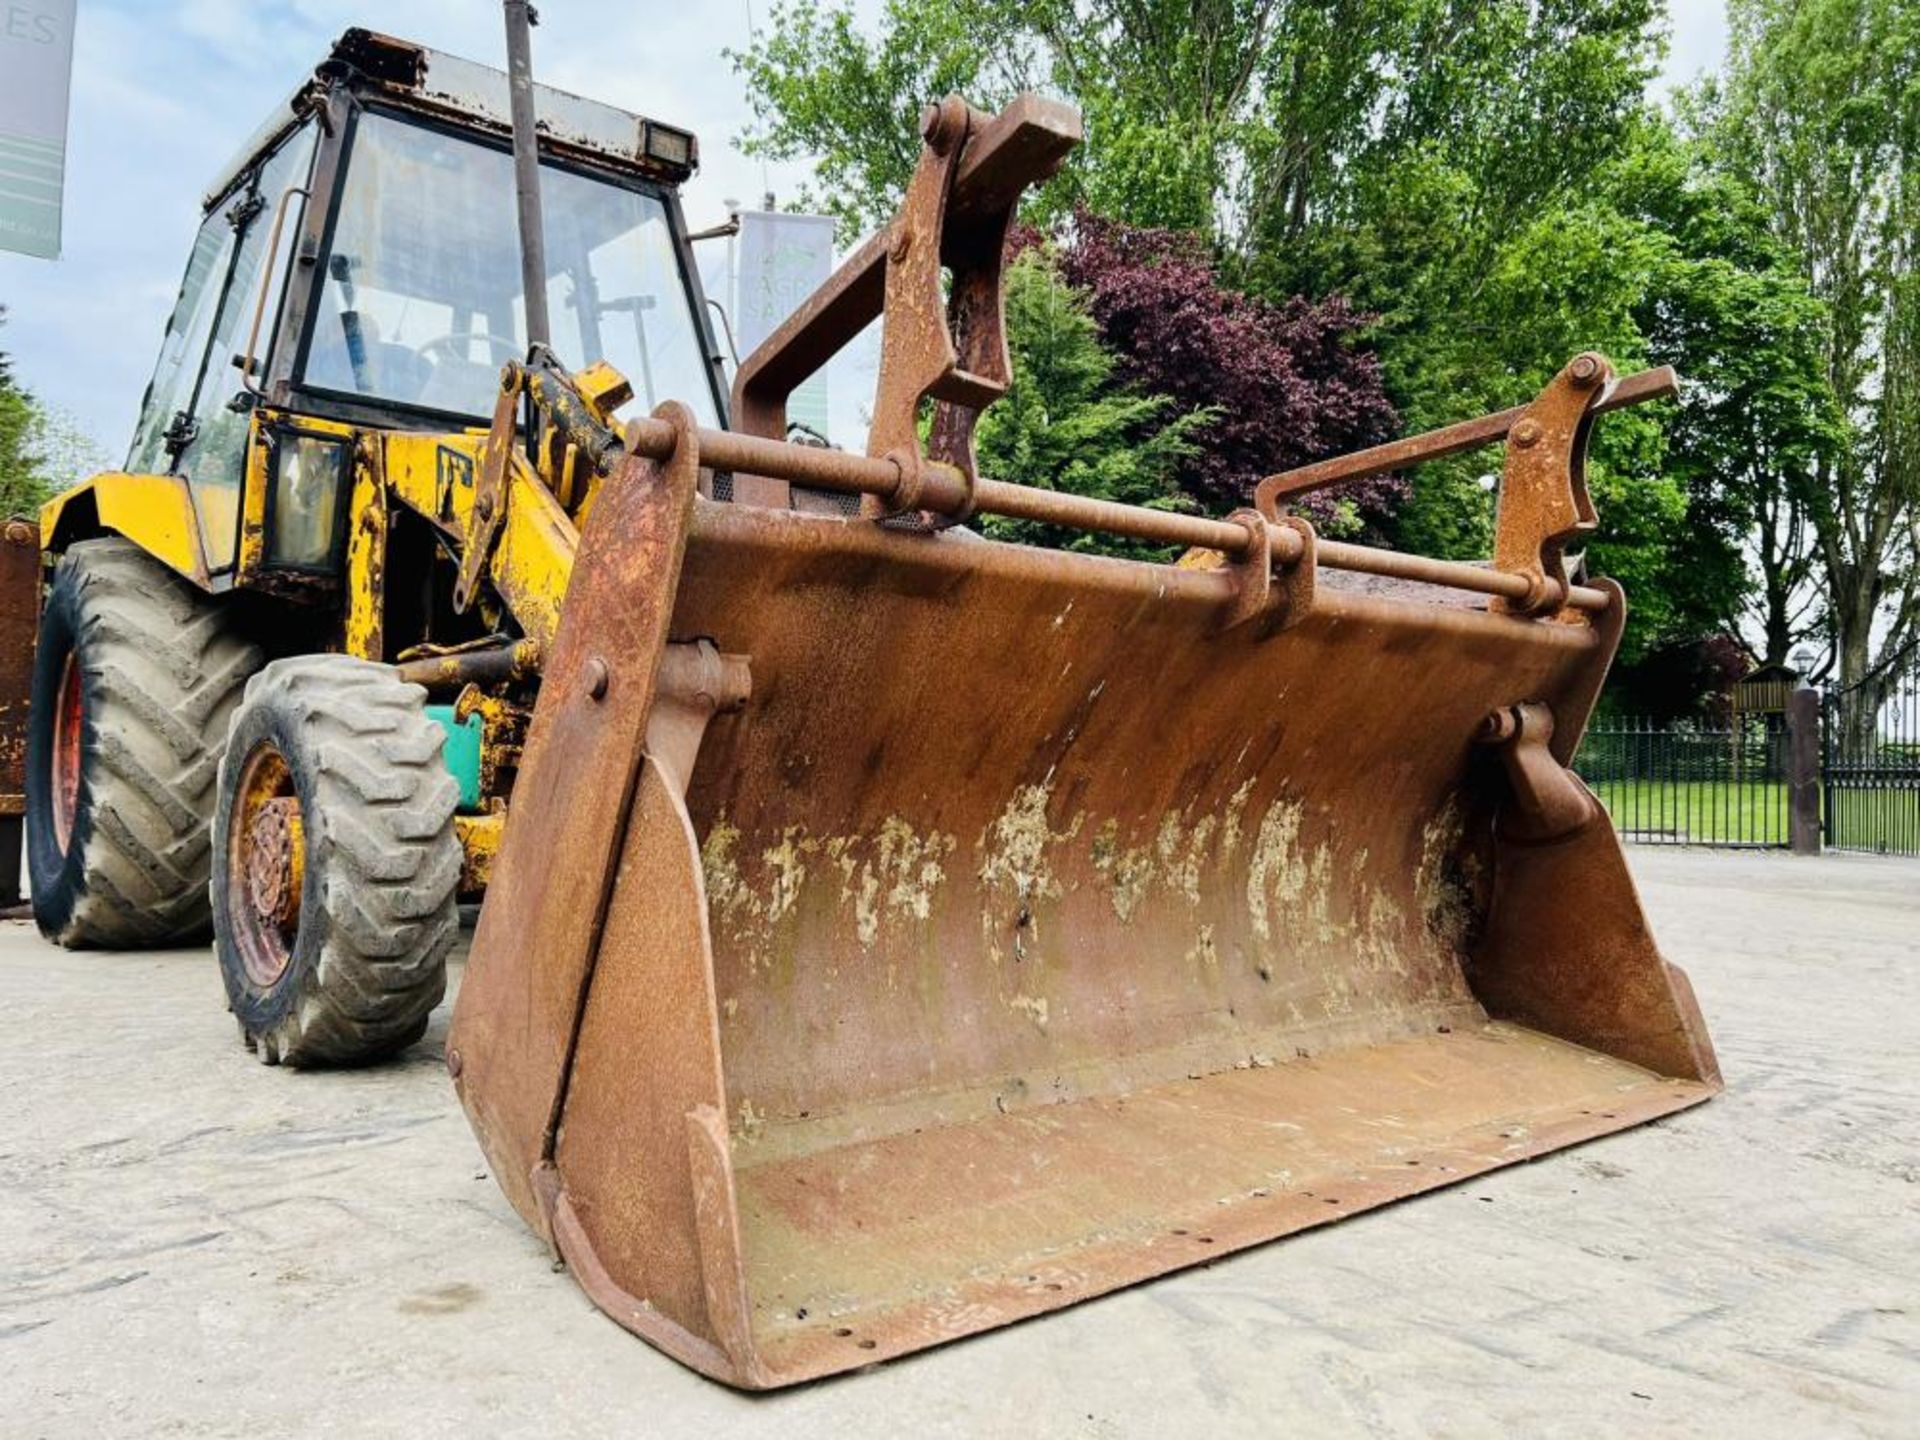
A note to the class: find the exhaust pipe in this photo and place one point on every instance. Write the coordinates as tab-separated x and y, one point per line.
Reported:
526	171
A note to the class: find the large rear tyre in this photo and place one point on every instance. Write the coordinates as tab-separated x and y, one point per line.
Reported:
136	675
336	863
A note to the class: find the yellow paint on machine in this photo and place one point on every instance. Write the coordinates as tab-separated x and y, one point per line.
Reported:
154	511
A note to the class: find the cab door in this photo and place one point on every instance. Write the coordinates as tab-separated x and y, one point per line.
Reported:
196	419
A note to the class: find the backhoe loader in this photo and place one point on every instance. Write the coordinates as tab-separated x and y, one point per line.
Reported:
887	933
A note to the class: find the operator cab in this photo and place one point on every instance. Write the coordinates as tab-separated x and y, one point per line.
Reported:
360	263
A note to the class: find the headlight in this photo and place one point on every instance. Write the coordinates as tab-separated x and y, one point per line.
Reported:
305	504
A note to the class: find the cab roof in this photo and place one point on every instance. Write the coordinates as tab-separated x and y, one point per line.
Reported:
469	94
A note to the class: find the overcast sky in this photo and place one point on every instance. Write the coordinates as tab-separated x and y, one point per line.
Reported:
164	93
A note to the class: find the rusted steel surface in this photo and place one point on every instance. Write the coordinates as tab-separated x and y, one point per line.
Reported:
858	474
649	1063
1544	504
956	212
1546	800
534	950
1364	559
1659	383
900	933
482	522
479	837
918	354
274	871
489	664
1543	494
266	853
1033	929
1146	1182
19	622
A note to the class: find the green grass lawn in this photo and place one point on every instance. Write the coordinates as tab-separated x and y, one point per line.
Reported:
1697	812
1724	812
1886	820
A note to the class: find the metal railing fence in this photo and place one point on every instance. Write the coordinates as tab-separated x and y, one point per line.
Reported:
1684	783
1870	769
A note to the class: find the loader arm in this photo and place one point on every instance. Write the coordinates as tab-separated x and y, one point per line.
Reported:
527	557
509	517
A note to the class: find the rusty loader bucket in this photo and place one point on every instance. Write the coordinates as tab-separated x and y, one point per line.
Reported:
897	934
19	619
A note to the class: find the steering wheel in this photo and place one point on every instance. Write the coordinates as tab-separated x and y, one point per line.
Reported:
457	345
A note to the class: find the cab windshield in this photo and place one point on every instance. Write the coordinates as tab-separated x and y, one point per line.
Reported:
421	301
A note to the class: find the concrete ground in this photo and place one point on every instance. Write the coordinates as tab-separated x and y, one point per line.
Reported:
193	1244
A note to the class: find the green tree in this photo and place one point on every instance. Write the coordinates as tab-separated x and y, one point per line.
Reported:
1658	258
822	90
23	483
1067	424
1486	177
1820	113
1256	122
22	489
1728	306
1589	272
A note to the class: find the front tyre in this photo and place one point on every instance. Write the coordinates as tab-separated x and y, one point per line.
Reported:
335	863
136	675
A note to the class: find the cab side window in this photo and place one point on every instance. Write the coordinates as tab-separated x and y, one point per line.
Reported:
165	406
215	458
190	423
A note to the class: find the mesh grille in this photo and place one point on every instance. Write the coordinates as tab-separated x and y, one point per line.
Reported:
815	502
825	502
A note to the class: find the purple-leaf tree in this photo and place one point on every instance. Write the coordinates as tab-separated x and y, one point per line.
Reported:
1290	381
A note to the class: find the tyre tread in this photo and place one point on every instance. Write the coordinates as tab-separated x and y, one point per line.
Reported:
167	670
381	843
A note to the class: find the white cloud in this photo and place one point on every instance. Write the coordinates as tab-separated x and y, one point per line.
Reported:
1699	40
164	95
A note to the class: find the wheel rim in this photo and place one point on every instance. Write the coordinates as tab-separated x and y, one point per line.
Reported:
265	865
69	729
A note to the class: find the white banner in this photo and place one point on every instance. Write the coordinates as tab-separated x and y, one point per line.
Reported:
36	68
783	259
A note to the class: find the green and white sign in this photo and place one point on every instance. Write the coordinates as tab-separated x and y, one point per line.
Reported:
36	65
784	258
